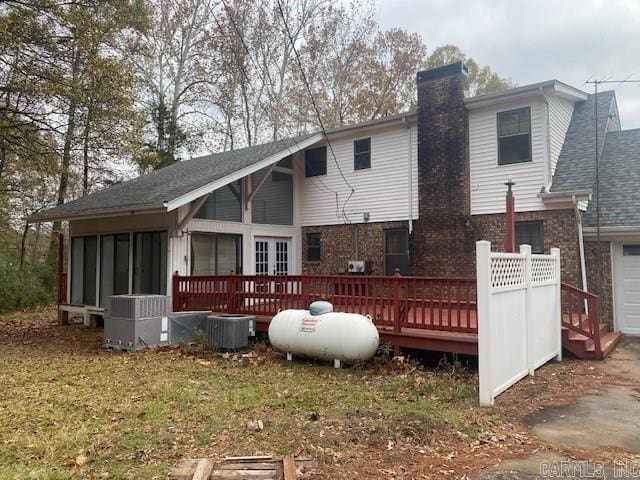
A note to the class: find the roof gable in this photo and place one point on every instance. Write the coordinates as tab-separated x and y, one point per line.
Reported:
170	187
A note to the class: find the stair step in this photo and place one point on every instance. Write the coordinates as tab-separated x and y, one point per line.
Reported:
607	342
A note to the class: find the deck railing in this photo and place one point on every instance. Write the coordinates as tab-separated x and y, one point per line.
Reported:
580	314
396	302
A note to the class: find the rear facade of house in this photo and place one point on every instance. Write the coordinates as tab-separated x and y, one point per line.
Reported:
411	192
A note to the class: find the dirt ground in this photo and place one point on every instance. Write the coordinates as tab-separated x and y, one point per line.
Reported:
70	409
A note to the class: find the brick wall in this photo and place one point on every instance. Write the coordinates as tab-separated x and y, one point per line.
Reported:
559	230
337	246
444	228
600	277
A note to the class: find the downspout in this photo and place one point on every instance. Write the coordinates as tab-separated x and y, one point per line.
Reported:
583	267
409	173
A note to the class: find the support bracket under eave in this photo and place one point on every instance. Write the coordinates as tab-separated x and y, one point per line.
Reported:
195	206
259	185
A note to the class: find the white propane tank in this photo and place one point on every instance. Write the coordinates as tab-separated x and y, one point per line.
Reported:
342	337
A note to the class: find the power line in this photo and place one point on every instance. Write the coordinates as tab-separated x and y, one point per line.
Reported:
317	111
270	83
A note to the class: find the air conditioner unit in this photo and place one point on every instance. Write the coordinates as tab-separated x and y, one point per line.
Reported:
229	332
359	266
133	322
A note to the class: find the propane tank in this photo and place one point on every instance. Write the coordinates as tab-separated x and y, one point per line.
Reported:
338	336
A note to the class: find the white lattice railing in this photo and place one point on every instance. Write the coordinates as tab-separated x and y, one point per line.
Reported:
519	321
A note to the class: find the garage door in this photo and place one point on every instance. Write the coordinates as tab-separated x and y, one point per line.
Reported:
628	290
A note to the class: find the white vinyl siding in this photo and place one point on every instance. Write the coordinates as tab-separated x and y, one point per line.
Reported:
381	191
560	113
488	178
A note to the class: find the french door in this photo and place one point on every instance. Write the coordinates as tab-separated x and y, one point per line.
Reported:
272	256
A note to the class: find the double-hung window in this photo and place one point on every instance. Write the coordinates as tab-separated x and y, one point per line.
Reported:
362	154
514	136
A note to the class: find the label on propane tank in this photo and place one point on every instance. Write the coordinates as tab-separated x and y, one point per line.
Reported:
308	325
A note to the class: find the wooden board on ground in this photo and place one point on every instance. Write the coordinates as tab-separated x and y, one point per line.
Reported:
242	468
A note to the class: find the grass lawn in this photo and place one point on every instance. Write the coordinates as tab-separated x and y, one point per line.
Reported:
69	409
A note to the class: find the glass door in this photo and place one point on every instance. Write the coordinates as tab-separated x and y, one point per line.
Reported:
272	256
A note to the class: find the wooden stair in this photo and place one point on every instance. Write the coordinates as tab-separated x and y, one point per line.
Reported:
584	348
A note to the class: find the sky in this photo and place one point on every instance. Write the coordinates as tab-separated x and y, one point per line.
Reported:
536	40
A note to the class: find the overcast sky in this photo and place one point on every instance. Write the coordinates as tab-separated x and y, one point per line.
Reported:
536	40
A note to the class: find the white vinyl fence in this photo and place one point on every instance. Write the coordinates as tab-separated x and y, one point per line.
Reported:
519	322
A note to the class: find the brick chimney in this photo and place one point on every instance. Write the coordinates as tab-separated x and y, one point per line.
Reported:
443	235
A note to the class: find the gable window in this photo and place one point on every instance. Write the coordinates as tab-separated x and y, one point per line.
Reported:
362	154
223	204
313	247
273	202
396	251
530	233
315	162
514	136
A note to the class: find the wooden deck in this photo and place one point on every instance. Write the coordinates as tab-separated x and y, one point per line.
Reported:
440	340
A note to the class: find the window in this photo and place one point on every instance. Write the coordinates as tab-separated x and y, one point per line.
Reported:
114	265
150	262
315	162
396	251
273	203
215	254
530	233
223	204
362	154
313	247
628	250
84	258
514	136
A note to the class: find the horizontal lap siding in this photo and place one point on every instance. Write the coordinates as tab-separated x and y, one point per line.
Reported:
382	190
488	178
560	113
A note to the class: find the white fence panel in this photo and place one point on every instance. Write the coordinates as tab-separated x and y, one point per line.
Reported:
518	316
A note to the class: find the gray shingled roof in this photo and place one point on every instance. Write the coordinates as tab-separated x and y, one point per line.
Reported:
619	182
169	183
576	165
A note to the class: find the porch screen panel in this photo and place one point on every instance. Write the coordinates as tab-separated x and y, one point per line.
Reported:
121	265
150	263
90	270
77	261
114	265
107	254
273	204
223	204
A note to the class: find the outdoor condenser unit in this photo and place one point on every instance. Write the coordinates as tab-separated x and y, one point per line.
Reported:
184	325
133	322
228	331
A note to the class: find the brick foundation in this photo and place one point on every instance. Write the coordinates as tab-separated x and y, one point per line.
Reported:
337	246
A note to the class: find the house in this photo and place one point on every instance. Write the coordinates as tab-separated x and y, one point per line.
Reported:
412	191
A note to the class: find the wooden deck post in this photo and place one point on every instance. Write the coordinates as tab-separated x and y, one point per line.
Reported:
397	326
231	293
304	289
175	292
